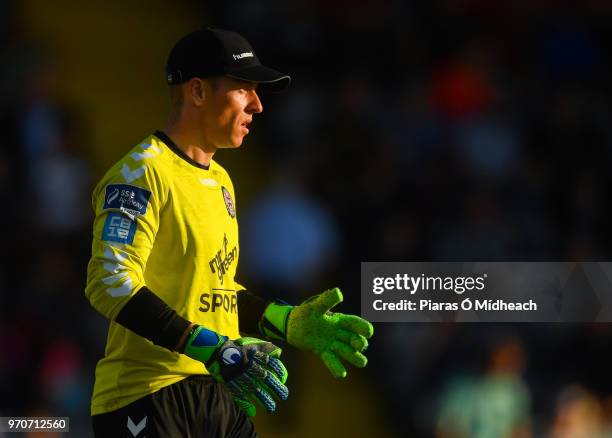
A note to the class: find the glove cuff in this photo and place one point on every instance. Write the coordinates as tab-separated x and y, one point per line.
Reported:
273	323
202	343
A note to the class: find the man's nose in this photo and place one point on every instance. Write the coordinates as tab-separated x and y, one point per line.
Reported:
255	105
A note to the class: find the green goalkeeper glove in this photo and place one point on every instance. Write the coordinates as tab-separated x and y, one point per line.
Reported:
312	326
249	367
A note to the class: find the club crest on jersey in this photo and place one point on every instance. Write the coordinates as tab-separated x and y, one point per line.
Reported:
229	203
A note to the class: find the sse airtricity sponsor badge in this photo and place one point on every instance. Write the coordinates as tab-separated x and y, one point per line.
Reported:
229	203
126	198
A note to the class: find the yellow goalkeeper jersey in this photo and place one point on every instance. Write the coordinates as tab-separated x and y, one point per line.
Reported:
163	221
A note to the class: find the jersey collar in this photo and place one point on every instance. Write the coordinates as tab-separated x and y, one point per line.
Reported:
168	142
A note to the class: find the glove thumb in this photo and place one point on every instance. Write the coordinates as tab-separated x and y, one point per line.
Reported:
325	301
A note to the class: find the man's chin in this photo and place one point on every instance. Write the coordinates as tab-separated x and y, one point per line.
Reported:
236	143
232	145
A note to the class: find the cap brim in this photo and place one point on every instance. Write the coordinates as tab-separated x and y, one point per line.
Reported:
267	79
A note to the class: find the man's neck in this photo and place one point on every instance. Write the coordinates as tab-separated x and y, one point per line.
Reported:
190	142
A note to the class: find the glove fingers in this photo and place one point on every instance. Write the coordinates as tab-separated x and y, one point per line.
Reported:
355	324
272	364
278	368
349	354
325	301
356	341
265	400
241	399
280	390
359	343
247	406
242	384
333	364
266	380
261	388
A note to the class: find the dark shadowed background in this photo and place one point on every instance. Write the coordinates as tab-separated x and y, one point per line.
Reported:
413	131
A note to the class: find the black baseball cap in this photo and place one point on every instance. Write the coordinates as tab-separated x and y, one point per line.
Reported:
210	52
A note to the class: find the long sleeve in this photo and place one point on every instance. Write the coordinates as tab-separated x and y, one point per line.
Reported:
127	205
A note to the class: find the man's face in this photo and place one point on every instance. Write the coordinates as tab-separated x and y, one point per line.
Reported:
229	108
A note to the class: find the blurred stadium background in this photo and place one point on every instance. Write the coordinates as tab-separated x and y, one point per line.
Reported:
439	130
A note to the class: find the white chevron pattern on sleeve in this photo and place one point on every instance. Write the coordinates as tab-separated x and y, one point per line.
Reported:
130	175
150	147
122	291
109	254
114	278
118	271
148	151
138	156
114	268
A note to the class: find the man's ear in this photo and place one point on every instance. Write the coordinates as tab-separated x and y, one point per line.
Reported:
196	91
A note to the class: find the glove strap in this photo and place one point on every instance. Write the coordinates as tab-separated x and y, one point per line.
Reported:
202	343
273	323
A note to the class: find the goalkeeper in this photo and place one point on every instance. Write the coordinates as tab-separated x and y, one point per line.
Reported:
178	361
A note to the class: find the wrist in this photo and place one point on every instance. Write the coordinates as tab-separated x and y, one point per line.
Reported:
273	323
202	343
183	340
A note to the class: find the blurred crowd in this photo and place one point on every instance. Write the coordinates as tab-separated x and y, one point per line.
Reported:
49	341
413	131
